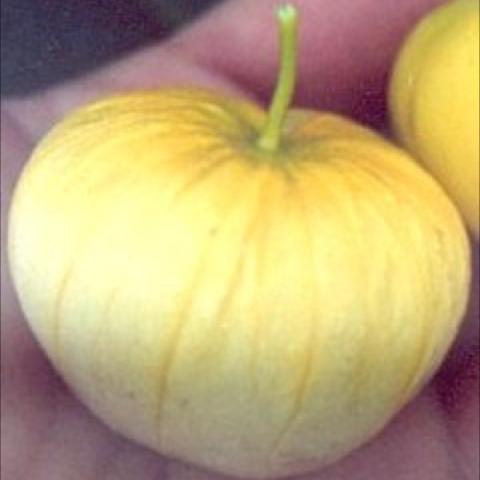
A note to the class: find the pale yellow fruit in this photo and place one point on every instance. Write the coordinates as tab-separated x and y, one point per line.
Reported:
258	313
256	294
434	100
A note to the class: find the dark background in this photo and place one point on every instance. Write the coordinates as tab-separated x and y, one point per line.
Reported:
46	41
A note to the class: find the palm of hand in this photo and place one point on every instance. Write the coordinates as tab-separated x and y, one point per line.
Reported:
47	434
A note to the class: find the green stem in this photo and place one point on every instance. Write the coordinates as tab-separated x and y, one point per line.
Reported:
271	134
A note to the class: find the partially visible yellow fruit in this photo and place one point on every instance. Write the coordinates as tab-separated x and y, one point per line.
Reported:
434	100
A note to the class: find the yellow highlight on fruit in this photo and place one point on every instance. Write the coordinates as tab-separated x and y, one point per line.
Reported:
434	101
254	303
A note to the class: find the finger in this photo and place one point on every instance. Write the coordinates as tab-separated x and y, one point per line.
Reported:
469	334
14	144
346	49
458	383
154	67
458	389
25	385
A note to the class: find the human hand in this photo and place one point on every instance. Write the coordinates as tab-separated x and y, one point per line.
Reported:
345	53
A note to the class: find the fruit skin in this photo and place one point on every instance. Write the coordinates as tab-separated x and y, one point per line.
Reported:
434	101
260	314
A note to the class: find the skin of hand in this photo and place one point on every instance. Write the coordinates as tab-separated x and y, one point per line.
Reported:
346	51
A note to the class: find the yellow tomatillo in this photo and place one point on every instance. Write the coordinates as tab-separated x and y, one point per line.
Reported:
254	293
434	100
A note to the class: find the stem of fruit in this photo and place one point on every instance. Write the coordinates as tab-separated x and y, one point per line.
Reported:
272	131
